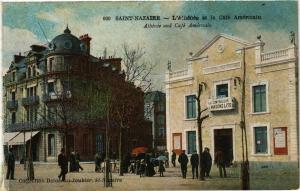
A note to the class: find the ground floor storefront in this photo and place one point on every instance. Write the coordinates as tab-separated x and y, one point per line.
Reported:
45	144
265	142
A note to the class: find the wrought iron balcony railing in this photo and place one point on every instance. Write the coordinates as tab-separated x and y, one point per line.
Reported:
49	97
54	97
31	100
13	104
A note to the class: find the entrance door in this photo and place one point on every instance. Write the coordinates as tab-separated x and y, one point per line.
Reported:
223	142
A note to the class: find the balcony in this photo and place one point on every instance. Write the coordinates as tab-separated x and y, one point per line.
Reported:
278	55
31	100
25	126
13	104
50	97
220	104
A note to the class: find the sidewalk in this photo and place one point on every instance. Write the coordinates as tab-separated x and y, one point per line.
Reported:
46	179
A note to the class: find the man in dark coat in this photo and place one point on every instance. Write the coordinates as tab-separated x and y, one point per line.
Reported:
220	161
77	162
207	160
10	165
195	163
97	162
149	167
72	167
173	158
183	160
63	163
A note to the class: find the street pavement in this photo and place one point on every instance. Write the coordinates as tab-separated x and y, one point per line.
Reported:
46	179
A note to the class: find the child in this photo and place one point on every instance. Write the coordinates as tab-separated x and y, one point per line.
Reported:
161	168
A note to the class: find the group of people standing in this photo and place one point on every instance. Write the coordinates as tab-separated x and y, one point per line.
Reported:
63	163
206	163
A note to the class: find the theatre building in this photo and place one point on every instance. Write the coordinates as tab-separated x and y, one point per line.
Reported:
271	105
59	95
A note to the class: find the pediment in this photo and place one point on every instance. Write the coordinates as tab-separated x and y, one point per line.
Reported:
220	40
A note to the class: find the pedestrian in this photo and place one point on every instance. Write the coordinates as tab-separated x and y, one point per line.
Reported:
10	165
167	161
174	158
142	168
97	162
114	160
220	161
207	161
161	168
63	163
72	166
195	164
183	160
77	160
149	167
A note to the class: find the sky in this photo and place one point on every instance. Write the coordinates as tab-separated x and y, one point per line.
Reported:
22	23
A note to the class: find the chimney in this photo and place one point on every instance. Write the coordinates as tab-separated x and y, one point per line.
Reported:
37	48
86	40
116	62
19	57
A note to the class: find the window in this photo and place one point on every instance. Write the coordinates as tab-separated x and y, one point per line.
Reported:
14	76
161	132
161	120
13	117
13	96
161	107
51	60
99	143
191	142
51	87
28	72
51	144
259	98
261	140
222	90
190	106
33	71
31	114
51	113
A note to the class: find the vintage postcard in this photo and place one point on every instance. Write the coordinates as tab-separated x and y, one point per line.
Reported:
149	95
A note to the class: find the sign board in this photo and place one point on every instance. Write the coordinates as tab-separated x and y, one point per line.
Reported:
280	141
177	144
219	104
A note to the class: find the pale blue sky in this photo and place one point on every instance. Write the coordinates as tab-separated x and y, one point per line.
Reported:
20	27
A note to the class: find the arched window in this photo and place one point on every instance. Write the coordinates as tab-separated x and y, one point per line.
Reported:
51	145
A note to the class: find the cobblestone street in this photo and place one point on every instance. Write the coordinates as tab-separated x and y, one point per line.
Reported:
89	180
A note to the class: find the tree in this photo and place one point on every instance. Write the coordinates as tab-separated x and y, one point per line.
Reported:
200	120
137	70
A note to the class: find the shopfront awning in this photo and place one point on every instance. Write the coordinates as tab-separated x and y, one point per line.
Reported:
19	138
9	136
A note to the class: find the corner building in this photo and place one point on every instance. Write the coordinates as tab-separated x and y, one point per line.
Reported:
56	93
271	105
